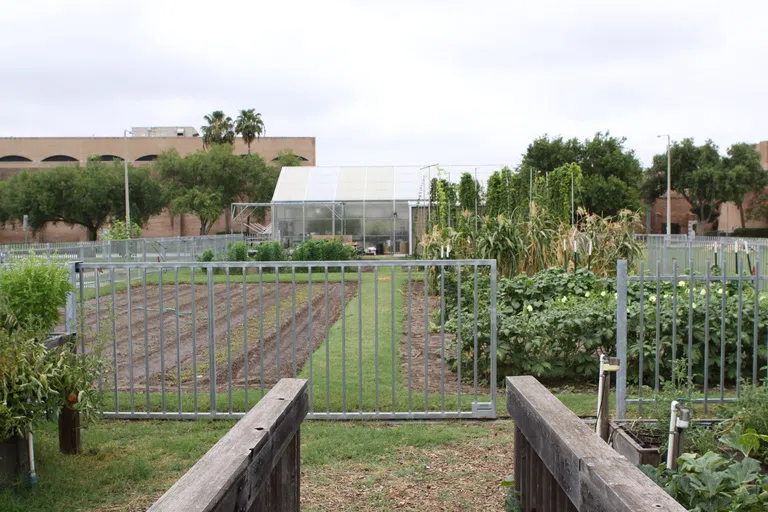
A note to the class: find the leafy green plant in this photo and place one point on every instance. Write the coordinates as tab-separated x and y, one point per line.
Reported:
237	252
71	380
512	497
24	383
207	256
269	251
34	288
713	483
118	230
323	250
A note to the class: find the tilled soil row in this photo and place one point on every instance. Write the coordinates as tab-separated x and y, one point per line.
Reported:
436	368
177	345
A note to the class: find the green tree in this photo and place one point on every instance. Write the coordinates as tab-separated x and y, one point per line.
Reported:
743	174
250	125
698	174
205	183
87	196
612	173
287	158
219	129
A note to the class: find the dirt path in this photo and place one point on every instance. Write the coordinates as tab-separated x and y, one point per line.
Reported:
432	353
170	343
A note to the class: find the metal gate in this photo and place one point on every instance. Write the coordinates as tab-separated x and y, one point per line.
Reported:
383	339
714	320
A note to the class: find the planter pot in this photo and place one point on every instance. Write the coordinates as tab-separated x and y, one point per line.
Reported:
636	449
69	431
14	458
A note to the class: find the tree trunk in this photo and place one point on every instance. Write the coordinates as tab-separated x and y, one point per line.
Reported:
93	233
741	216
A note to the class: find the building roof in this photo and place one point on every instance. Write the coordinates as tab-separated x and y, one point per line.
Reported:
371	183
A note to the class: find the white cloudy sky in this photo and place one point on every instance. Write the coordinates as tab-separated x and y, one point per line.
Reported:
395	81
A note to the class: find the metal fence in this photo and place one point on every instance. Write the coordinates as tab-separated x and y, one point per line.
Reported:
184	248
694	252
716	321
190	339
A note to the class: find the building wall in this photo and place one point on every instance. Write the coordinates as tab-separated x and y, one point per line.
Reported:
163	225
680	213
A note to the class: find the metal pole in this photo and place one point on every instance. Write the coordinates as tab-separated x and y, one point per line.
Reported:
621	339
571	196
669	189
127	197
477	192
530	187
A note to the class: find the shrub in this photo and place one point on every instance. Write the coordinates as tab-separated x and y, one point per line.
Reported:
207	256
269	251
117	230
323	250
751	232
34	289
236	252
24	387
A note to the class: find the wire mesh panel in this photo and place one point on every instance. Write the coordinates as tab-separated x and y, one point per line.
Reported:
385	339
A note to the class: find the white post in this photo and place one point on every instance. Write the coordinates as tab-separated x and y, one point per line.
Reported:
127	197
669	189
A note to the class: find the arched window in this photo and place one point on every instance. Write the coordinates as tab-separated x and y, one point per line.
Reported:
146	158
109	158
300	158
60	158
14	158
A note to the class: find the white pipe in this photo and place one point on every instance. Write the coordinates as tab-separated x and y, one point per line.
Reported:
600	387
31	450
678	421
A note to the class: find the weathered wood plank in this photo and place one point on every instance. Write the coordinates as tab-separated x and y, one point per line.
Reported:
593	476
236	472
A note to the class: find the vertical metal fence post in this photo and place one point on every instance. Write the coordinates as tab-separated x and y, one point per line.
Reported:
493	339
211	341
621	338
71	307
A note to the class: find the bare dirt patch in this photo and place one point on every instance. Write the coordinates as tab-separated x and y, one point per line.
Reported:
436	367
465	476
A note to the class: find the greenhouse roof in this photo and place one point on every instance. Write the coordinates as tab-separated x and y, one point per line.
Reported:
372	183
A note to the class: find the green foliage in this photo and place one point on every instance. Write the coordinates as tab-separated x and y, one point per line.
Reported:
33	289
250	125
500	198
287	158
207	256
205	183
219	129
612	173
269	251
87	196
751	232
237	252
469	193
117	230
71	380
713	483
24	386
558	191
323	250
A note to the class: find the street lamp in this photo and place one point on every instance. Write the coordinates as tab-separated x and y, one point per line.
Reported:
127	197
669	185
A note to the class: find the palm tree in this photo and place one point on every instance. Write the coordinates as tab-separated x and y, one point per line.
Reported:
219	129
250	126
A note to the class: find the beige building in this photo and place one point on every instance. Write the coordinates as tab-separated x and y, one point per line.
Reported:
141	148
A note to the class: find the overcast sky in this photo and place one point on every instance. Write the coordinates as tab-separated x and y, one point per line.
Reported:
395	81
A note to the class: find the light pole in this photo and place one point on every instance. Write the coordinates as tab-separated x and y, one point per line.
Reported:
669	185
127	196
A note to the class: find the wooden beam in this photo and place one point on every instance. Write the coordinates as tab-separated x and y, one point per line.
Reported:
591	474
255	466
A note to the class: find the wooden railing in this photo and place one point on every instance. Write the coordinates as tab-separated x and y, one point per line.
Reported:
562	465
255	466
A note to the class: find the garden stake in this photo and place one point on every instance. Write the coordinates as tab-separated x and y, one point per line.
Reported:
607	366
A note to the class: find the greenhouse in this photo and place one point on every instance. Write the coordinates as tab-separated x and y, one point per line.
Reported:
379	209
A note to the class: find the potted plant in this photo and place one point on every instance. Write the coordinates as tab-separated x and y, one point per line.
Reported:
73	393
24	395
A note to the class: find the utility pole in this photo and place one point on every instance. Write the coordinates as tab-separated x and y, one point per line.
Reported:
127	196
669	184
